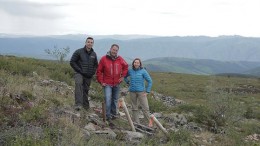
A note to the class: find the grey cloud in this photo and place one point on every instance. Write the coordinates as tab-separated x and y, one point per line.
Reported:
31	9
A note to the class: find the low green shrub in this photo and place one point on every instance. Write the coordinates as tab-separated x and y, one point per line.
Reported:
155	105
28	95
60	76
181	137
35	114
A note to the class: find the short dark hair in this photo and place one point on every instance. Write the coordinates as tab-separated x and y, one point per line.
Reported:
89	38
115	45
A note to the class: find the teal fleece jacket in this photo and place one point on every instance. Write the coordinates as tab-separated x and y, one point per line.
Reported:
137	78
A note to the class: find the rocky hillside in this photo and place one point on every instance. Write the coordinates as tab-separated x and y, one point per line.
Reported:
30	113
37	108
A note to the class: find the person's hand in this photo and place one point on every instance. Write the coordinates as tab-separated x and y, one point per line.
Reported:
85	75
145	94
121	79
103	84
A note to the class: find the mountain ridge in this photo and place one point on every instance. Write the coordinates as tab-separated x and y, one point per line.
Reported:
204	49
223	48
200	66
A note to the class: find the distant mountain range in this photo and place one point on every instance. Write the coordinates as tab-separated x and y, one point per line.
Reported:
254	71
191	54
202	66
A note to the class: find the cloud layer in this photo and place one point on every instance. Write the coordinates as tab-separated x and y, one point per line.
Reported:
150	17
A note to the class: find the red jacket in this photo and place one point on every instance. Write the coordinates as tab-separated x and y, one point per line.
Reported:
110	70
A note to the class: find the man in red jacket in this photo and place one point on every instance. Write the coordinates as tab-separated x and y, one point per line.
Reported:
110	73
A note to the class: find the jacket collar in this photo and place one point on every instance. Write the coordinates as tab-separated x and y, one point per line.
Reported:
91	50
139	68
111	57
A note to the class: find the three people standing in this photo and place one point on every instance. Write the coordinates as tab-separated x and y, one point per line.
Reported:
111	71
84	62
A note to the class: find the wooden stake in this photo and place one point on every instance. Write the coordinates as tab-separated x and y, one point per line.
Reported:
153	118
127	114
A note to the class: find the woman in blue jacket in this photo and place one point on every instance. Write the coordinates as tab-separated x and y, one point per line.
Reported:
138	91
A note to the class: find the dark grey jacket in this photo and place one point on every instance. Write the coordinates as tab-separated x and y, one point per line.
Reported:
84	62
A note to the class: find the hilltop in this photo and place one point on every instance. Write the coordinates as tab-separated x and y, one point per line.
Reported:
37	108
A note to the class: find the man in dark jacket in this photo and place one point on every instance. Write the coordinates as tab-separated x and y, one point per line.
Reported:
84	62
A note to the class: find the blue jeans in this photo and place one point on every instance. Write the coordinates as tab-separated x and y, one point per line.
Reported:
111	98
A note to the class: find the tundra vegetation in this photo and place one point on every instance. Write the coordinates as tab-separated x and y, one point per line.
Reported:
33	94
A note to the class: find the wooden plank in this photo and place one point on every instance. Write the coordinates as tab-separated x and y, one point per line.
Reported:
143	131
146	128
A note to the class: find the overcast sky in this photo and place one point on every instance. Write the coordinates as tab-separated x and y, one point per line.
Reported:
144	17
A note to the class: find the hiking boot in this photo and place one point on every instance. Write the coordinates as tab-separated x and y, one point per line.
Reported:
86	107
77	108
114	117
108	120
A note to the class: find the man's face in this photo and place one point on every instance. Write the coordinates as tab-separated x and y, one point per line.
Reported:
114	51
89	43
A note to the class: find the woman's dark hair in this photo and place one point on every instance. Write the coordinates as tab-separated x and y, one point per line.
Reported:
134	62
